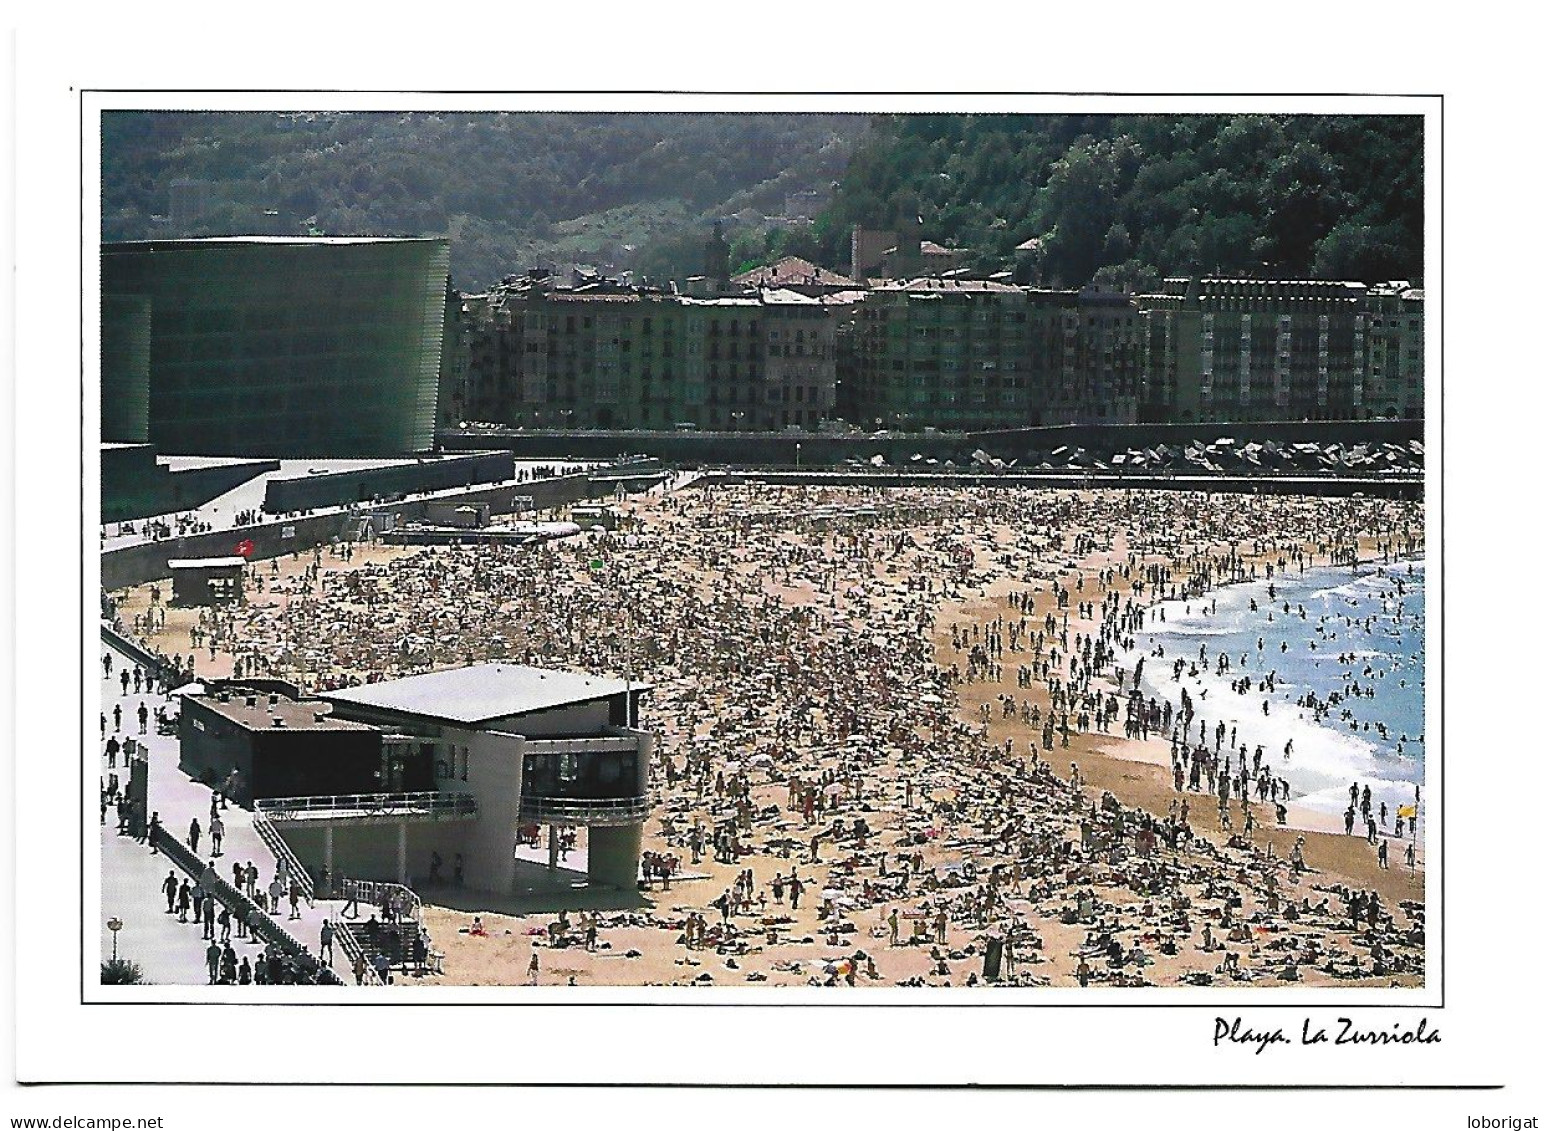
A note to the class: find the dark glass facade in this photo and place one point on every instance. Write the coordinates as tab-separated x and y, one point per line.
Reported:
611	775
278	347
126	336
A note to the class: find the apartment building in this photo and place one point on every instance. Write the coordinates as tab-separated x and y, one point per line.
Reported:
950	353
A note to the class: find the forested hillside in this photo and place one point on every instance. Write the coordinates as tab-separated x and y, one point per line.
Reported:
512	190
1119	199
1127	199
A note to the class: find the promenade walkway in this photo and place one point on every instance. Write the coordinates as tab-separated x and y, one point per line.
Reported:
132	874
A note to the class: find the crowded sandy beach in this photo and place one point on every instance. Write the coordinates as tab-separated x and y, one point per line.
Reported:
902	731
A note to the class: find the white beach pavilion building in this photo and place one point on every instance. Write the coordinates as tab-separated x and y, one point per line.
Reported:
505	747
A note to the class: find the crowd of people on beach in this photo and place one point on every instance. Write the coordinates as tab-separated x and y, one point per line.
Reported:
822	784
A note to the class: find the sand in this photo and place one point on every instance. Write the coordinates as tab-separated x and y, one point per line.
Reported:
727	588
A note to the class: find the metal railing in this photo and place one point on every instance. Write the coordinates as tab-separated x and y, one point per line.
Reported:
377	893
350	945
260	923
430	803
583	811
579	745
162	667
276	844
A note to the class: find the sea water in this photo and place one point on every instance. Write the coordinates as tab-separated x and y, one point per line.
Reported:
1345	629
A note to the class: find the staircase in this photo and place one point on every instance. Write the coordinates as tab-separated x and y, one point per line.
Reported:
276	844
353	951
392	938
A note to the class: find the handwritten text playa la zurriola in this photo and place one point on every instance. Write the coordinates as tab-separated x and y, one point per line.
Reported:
1343	1032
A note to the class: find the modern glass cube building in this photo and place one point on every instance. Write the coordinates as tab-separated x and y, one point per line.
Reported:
274	346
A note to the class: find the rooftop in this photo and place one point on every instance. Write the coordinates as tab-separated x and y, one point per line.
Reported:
207	563
935	284
483	692
792	271
293	714
926	247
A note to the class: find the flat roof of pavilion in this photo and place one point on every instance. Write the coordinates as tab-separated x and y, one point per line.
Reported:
293	715
483	692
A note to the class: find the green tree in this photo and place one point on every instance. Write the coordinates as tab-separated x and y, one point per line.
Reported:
121	972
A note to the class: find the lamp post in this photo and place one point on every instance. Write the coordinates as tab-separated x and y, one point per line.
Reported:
798	455
115	925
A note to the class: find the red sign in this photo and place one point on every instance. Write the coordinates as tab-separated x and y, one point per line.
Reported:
245	547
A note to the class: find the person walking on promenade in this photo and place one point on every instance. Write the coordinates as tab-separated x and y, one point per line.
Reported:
193	836
360	968
118	717
144	716
209	916
123	680
532	969
1381	854
217	834
276	895
112	752
107	665
184	899
295	899
224	922
169	888
212	960
325	941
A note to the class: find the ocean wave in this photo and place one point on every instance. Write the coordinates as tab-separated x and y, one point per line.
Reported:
1326	756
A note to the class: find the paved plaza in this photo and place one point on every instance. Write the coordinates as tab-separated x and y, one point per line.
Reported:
170	952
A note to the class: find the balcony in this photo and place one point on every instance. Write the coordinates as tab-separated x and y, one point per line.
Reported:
604	745
371	808
583	811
